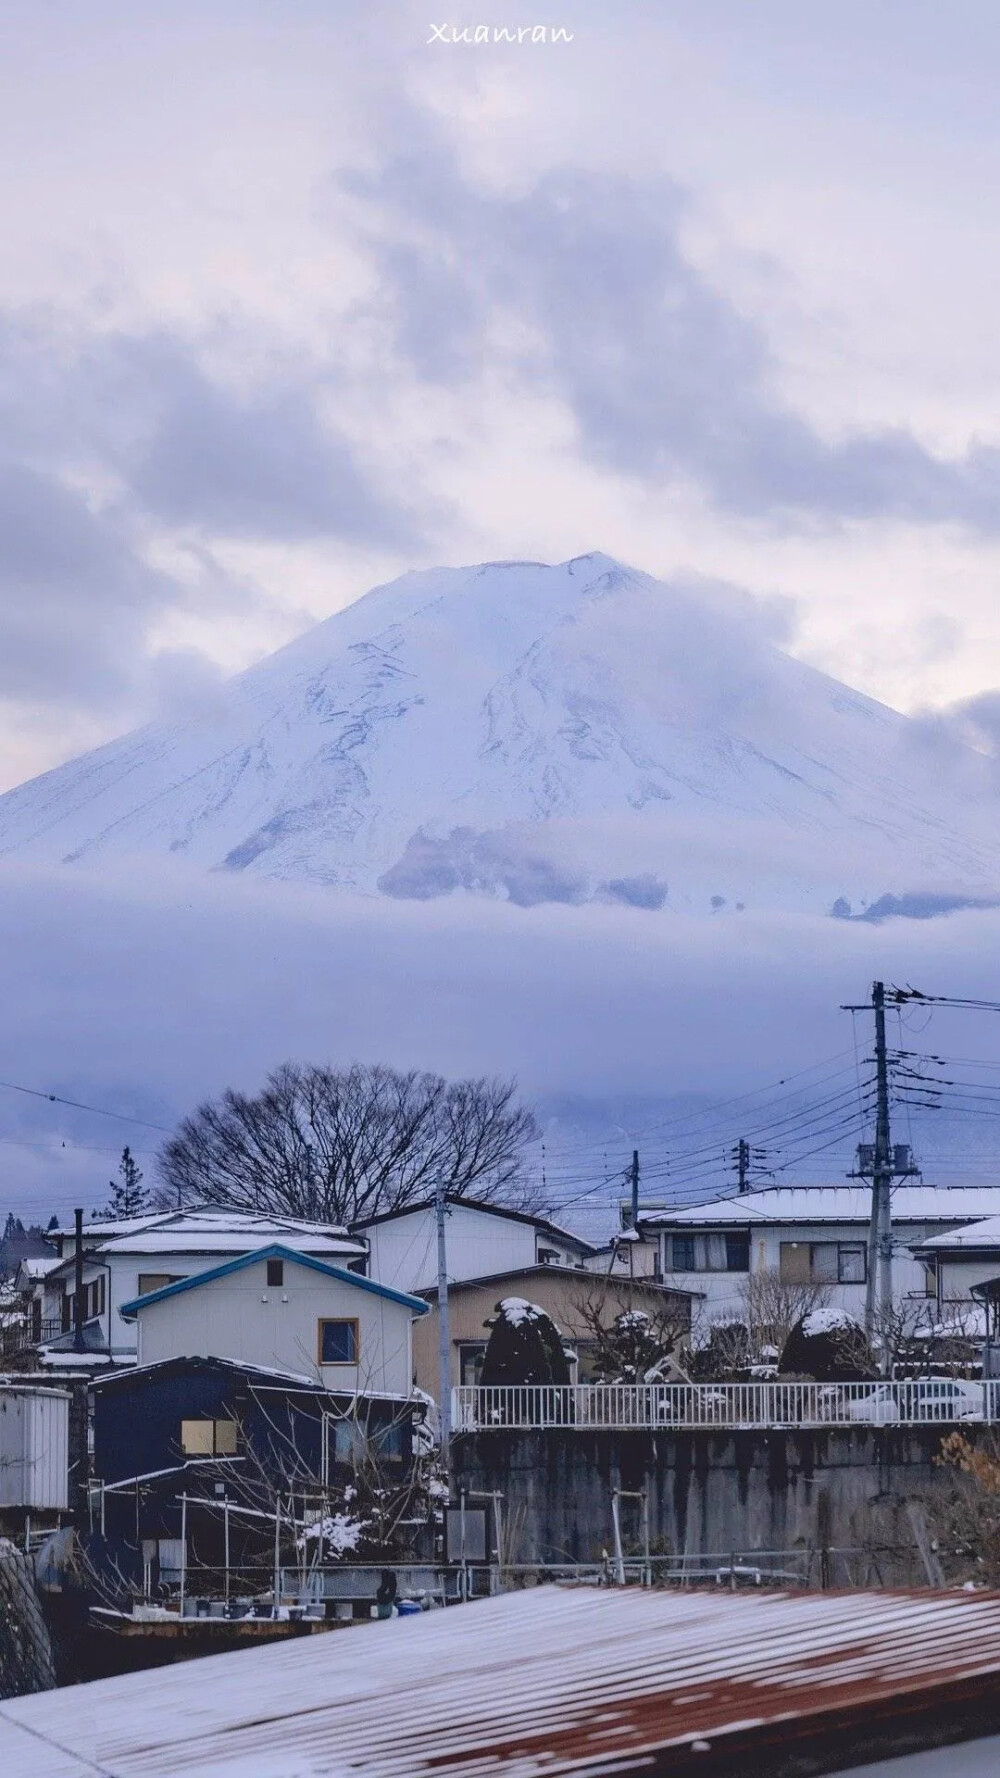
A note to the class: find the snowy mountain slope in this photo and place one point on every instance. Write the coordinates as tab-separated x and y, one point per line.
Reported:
540	733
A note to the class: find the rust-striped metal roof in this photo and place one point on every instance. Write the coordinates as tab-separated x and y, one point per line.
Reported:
542	1683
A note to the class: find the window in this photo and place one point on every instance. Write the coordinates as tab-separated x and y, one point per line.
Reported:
824	1267
338	1342
547	1256
470	1361
794	1262
718	1251
150	1281
683	1253
822	1262
737	1253
208	1438
275	1272
853	1264
930	1277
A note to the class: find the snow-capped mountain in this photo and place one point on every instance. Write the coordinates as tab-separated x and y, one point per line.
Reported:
538	733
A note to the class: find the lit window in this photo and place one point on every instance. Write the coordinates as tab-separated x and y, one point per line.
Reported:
338	1342
150	1281
208	1438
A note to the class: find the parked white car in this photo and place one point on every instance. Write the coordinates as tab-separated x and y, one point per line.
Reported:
922	1399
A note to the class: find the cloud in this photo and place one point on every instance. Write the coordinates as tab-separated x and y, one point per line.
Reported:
144	996
579	285
261	464
75	598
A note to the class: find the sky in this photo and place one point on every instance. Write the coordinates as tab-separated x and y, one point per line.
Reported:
293	300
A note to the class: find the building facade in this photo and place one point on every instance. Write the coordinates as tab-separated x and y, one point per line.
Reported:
132	1258
480	1239
807	1235
288	1311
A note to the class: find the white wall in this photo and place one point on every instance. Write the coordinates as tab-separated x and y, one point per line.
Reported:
241	1317
403	1252
121	1273
957	1276
722	1290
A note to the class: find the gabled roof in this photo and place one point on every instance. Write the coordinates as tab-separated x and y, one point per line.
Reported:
589	1282
130	1310
462	1202
209	1232
830	1203
261	1377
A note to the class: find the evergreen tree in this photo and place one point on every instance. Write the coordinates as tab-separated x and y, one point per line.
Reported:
524	1346
128	1196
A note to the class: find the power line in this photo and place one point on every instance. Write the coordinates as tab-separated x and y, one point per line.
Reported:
77	1105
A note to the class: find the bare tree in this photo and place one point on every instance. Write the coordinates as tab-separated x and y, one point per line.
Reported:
965	1508
337	1145
771	1307
630	1344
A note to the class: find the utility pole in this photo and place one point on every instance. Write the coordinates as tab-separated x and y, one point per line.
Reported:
635	1191
882	1172
743	1164
881	1163
444	1328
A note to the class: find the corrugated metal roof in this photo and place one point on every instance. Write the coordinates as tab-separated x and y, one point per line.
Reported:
832	1203
539	1683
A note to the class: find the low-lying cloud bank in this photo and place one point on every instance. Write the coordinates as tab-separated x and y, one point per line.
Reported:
144	997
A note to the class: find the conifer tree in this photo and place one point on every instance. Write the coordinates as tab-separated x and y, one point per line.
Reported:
128	1196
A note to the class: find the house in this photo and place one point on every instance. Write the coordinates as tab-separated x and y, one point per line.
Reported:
568	1294
480	1239
190	1456
806	1235
959	1260
288	1310
141	1254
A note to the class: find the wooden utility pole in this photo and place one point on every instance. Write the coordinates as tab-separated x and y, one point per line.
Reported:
444	1327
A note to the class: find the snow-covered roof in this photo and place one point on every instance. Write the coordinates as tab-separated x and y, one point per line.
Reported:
593	1680
205	1222
831	1203
34	1266
974	1237
215	1232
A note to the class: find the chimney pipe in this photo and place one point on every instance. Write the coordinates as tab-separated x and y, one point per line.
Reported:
78	1314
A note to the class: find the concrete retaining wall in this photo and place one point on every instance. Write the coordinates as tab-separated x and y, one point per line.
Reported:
711	1492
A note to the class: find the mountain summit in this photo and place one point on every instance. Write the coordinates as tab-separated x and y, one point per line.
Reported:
537	733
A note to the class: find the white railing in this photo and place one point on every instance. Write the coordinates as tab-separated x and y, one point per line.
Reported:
625	1406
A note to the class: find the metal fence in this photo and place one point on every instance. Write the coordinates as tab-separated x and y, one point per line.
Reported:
691	1406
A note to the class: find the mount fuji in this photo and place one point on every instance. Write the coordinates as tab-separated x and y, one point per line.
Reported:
569	733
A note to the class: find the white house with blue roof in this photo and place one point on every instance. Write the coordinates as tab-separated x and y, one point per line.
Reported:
285	1310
